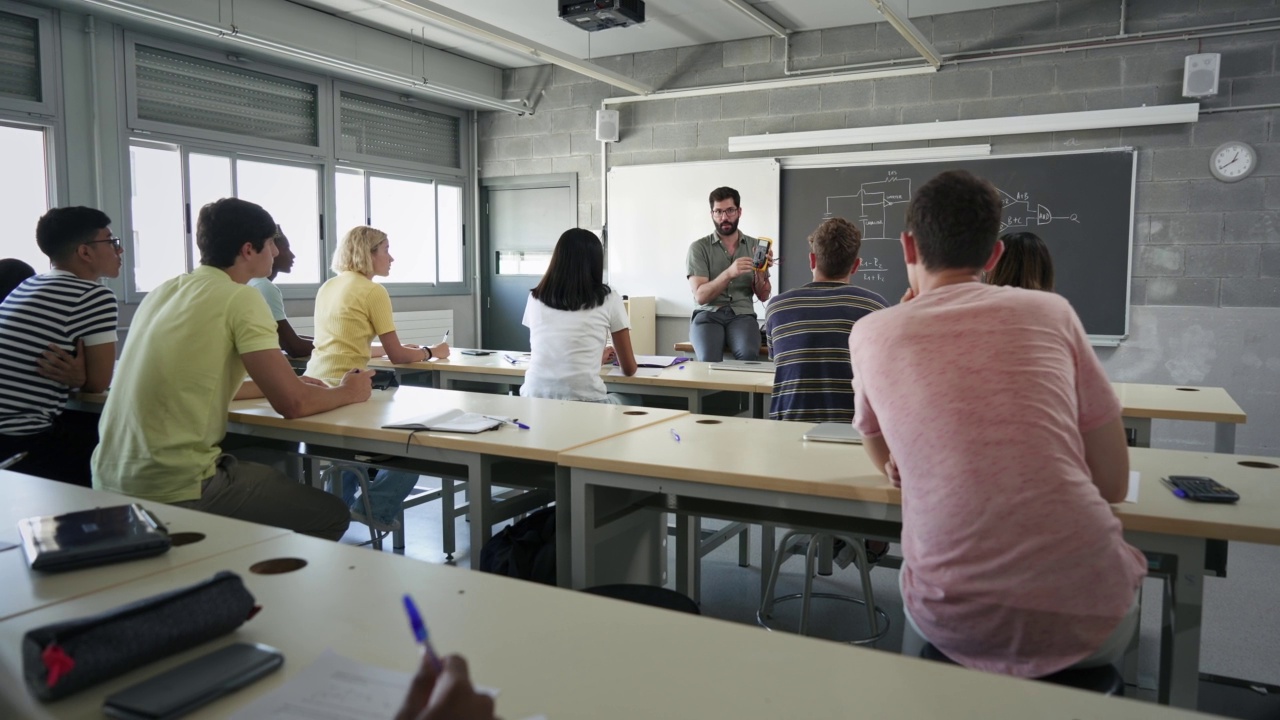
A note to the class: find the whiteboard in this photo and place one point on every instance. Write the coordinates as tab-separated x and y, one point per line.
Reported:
657	211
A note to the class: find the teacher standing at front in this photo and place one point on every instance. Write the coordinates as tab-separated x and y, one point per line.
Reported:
724	279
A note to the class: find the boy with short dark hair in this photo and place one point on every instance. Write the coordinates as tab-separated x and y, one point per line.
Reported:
193	339
58	333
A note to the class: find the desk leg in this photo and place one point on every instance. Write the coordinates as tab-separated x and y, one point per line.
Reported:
1224	438
694	399
480	505
1141	429
1179	679
688	562
564	528
581	542
758	402
768	548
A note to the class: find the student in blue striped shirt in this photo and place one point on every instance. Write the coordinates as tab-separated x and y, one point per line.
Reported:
58	333
808	330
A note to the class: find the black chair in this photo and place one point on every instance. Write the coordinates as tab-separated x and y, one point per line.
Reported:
650	595
1104	679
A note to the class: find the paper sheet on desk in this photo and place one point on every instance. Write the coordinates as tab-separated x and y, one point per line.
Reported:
336	688
1134	478
640	372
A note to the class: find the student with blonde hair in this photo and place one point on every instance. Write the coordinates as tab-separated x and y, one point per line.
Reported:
351	311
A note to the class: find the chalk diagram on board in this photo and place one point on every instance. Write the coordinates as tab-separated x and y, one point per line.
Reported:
875	198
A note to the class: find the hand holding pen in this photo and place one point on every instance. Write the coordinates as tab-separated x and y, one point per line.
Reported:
441	689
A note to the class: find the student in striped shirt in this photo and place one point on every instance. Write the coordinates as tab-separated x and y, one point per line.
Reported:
808	330
58	332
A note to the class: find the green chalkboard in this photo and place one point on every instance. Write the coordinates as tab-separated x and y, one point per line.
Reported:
1081	204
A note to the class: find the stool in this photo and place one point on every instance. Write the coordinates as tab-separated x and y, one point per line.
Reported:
1104	679
767	601
650	595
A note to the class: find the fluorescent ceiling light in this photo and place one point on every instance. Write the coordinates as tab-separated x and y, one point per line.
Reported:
778	84
877	157
422	84
494	35
1020	125
908	31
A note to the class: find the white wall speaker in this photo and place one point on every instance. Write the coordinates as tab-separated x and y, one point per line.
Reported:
607	125
1200	75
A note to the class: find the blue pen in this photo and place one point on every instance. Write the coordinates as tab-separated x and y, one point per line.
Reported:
509	359
420	631
515	422
675	435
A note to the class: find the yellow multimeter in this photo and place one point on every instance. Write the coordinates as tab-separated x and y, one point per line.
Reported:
761	257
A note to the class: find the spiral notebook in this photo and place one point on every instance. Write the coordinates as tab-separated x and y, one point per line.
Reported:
454	420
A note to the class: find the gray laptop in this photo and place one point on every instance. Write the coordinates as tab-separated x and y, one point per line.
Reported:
760	366
834	432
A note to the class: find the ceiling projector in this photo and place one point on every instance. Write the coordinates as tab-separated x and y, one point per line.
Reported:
593	15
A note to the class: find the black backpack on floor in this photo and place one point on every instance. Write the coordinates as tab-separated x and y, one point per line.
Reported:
525	550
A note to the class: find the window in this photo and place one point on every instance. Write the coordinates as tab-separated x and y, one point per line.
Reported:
162	217
24	191
422	219
27	81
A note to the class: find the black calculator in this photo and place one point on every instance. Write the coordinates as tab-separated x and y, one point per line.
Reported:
1200	489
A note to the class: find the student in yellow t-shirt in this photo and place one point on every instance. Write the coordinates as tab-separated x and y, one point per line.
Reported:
352	310
191	342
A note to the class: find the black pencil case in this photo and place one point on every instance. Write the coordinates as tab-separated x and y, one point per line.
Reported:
66	657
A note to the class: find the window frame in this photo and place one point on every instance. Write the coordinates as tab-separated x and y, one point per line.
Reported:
362	160
414	289
50	66
52	186
186	146
134	125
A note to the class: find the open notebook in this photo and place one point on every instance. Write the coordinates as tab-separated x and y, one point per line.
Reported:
450	421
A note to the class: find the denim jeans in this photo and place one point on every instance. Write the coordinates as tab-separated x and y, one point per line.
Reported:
387	492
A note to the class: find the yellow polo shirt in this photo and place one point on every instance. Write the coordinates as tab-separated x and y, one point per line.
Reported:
167	408
351	310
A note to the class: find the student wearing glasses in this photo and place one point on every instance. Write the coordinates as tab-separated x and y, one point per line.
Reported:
58	331
724	280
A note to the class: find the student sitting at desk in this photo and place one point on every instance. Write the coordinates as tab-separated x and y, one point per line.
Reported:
1026	263
569	314
58	331
808	330
191	342
989	408
352	310
293	344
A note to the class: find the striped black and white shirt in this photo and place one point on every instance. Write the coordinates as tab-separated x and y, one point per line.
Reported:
59	308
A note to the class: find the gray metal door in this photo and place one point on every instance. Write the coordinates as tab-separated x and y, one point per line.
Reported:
523	219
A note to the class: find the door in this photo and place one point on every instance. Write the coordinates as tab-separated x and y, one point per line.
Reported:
523	219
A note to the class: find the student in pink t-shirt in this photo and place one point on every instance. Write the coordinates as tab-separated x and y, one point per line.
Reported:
989	408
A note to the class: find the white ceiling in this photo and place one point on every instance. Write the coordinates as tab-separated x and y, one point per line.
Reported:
668	23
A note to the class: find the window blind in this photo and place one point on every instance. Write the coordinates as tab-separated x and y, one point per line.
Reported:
377	128
20	57
196	93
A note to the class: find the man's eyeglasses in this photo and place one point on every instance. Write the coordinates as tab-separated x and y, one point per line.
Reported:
116	242
726	213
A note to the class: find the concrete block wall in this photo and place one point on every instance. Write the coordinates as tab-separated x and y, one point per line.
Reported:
1199	243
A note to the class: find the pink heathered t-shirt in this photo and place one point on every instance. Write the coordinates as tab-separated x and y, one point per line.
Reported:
1014	562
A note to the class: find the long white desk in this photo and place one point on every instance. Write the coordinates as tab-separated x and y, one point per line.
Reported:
23	590
550	651
779	478
555	426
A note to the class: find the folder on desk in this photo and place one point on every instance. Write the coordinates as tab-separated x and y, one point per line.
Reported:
659	361
450	421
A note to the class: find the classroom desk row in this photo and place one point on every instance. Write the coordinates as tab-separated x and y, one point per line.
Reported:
575	655
693	381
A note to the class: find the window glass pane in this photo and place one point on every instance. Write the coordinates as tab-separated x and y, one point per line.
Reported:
210	177
159	251
405	211
24	194
351	210
523	263
449	222
292	195
20	57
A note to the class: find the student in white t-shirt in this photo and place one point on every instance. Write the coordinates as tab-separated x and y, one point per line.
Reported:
569	315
